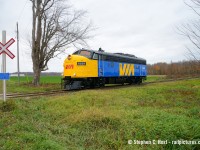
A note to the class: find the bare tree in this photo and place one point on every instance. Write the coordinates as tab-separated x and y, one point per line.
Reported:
192	31
55	26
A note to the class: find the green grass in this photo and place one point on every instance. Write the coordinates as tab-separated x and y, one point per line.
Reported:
104	119
151	78
47	83
43	79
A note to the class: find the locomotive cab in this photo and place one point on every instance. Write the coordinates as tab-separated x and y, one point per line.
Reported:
78	68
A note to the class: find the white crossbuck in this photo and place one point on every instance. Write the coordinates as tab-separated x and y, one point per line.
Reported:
4	48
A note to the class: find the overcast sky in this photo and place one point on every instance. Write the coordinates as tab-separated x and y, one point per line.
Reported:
145	28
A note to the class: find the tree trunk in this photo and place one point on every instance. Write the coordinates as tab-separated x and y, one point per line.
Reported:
36	70
36	77
36	38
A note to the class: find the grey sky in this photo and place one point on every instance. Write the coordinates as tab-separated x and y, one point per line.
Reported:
145	28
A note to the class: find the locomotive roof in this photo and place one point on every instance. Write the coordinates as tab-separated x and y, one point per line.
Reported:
122	55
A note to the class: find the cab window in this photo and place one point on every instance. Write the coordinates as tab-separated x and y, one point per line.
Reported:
85	53
95	56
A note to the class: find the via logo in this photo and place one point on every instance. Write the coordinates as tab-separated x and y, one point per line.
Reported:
69	66
126	69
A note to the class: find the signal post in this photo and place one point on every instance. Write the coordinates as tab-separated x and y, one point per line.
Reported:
4	50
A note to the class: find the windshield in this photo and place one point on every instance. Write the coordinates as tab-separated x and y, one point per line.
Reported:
85	53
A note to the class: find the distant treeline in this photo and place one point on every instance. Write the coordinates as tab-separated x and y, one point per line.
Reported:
42	74
175	69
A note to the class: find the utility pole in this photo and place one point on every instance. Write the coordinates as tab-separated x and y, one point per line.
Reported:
18	71
4	65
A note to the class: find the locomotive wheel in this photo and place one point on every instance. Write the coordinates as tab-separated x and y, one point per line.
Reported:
130	82
139	81
101	82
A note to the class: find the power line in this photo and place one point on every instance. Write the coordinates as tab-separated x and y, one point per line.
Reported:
22	10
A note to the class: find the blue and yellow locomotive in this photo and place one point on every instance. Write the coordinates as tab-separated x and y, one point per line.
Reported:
89	68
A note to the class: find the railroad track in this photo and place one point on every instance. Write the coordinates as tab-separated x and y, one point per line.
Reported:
34	94
172	80
56	92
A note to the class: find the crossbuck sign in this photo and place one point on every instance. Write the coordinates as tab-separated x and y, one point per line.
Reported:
4	48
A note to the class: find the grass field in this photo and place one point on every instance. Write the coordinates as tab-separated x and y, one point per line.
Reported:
43	79
151	78
104	119
47	83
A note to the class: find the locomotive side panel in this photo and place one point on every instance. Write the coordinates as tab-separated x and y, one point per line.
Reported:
126	69
140	70
108	69
118	69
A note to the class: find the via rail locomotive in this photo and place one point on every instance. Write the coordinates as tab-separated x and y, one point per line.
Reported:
89	68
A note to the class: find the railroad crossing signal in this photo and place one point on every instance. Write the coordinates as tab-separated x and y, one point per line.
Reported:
4	48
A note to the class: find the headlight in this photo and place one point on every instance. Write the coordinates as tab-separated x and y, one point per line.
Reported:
69	57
